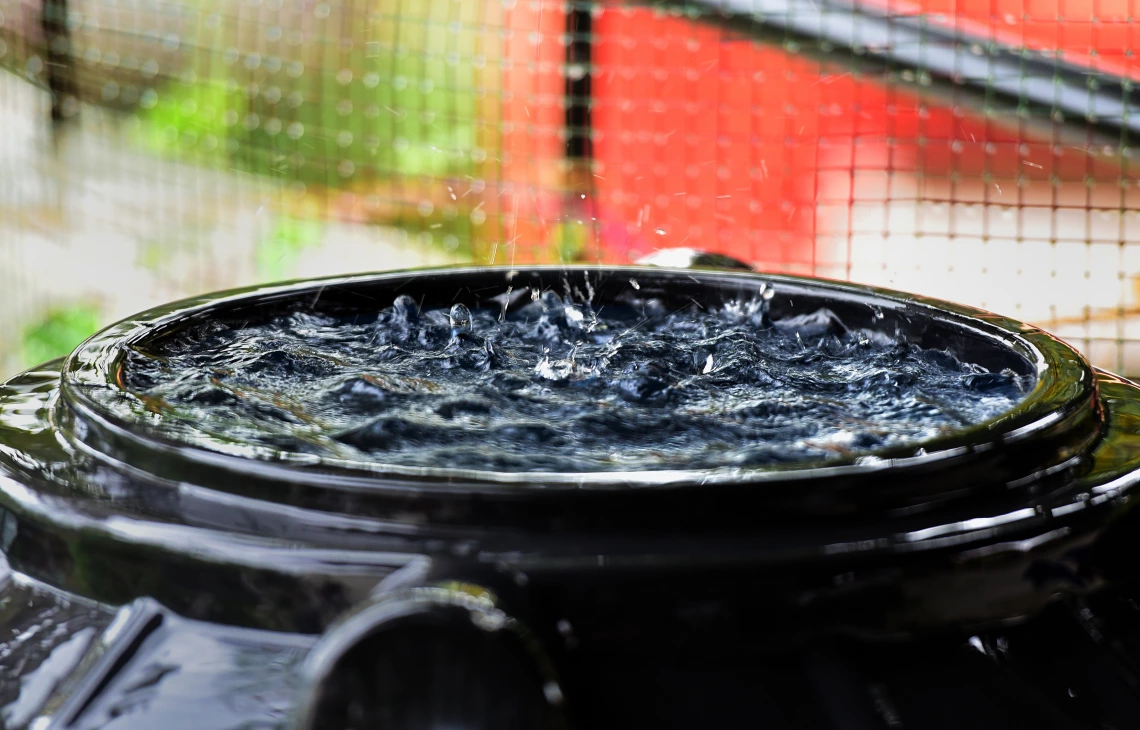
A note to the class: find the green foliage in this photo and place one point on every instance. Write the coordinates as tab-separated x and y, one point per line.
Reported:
399	100
376	111
58	332
191	117
277	253
405	122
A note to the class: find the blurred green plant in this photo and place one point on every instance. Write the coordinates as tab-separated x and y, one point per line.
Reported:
406	122
278	251
58	331
396	107
394	115
191	116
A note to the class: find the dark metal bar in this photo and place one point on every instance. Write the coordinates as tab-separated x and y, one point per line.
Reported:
59	66
1001	81
578	93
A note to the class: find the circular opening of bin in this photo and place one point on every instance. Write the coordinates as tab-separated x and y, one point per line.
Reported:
587	373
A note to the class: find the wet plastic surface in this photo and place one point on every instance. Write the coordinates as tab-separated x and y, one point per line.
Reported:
847	593
44	637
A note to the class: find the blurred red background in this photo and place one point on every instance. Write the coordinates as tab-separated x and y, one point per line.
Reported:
706	139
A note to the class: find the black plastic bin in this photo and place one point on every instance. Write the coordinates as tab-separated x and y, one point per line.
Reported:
984	579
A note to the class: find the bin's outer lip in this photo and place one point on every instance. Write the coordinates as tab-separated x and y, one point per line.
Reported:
1064	382
1065	390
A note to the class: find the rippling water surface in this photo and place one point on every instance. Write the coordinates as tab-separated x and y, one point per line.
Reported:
557	385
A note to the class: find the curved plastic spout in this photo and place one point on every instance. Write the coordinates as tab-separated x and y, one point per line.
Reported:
429	652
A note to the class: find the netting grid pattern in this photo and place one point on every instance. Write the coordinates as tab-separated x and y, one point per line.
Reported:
973	150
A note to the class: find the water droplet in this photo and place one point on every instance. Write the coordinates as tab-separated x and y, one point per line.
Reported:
550	300
553	693
574	316
489	621
634	284
767	292
463	548
659	231
708	365
460	318
558	370
406	308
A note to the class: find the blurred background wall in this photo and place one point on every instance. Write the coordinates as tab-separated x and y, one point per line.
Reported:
154	149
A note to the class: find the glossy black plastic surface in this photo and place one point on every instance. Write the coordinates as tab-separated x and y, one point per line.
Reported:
708	580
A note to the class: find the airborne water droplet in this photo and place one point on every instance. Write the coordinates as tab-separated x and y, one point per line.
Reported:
552	692
708	365
550	300
460	318
405	307
574	316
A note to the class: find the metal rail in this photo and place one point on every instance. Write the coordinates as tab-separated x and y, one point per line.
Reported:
1017	87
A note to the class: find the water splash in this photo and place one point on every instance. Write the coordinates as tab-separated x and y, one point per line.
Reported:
548	383
460	319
